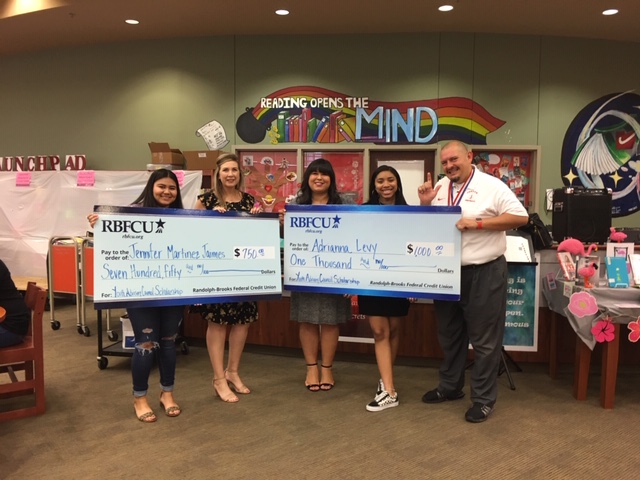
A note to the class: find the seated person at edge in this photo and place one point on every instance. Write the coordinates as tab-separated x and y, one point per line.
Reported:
228	195
17	315
319	314
489	208
384	313
154	328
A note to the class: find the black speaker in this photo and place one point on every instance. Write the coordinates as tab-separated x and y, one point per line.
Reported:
584	214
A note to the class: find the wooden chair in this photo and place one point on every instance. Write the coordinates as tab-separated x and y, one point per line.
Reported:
27	356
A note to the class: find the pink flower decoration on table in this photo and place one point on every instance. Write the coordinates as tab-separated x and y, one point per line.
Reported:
603	331
582	304
634	334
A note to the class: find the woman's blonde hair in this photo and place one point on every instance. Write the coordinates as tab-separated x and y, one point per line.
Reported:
217	186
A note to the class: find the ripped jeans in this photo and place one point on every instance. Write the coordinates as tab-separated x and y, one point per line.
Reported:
155	330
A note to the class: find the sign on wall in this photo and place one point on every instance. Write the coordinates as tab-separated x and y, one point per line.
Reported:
310	114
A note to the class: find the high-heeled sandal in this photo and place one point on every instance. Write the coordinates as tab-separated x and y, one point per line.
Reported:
229	398
312	387
242	388
324	386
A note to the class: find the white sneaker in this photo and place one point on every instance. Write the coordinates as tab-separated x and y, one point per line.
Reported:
383	401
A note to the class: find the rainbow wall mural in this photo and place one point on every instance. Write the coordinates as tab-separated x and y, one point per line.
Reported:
309	114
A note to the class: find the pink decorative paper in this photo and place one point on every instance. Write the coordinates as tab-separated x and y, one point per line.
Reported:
86	178
634	334
23	179
582	304
180	177
603	331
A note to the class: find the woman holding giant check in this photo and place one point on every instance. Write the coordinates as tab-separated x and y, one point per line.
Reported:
319	314
384	313
227	195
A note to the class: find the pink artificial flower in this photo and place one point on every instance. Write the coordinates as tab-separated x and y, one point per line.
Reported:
634	334
582	304
603	330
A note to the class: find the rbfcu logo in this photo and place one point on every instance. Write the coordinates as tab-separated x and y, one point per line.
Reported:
133	226
315	224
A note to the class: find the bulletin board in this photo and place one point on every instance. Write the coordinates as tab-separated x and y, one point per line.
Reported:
271	176
513	167
349	169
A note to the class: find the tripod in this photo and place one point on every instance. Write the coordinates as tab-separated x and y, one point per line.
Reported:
504	367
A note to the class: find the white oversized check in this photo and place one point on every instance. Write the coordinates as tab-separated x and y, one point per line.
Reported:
153	256
393	251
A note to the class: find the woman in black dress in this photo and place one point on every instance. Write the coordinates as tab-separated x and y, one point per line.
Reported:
227	195
384	313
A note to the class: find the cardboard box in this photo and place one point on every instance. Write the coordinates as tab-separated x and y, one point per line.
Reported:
201	159
128	340
157	166
161	153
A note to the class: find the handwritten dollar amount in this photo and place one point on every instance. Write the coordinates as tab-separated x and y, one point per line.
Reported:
422	249
253	253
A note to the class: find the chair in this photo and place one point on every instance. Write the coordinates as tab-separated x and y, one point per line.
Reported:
29	357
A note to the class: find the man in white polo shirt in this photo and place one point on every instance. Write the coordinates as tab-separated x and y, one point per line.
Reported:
489	209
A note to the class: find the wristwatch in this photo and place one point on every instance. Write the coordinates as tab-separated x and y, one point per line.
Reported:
479	223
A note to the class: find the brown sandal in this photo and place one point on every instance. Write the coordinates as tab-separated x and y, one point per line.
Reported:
172	411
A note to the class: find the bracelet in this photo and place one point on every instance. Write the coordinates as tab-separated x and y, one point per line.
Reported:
479	223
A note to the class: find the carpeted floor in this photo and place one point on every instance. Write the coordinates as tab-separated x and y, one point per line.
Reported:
282	431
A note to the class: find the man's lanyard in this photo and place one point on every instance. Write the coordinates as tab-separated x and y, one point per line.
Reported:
456	201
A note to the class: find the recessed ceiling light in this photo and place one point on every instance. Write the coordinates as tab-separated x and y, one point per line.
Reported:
445	8
282	12
131	21
611	11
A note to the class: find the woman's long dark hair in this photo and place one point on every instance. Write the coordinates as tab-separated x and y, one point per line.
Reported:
374	198
146	198
323	166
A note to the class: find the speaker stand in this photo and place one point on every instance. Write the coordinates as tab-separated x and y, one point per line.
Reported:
504	367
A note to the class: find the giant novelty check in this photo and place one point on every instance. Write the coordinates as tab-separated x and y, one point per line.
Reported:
152	256
393	251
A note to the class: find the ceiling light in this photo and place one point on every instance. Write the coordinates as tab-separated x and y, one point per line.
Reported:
13	8
611	11
445	8
282	12
131	21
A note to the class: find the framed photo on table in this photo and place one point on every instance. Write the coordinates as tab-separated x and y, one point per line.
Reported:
619	249
568	265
